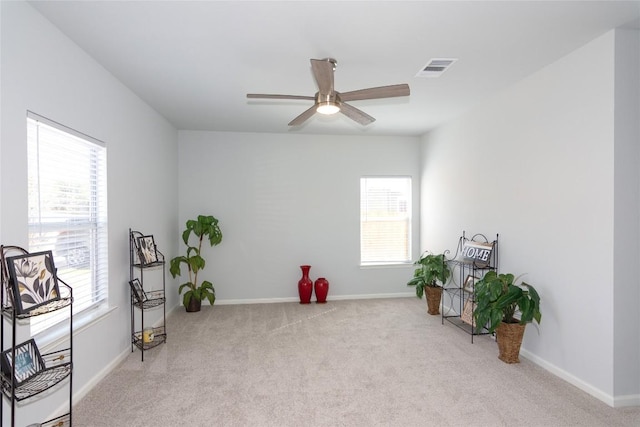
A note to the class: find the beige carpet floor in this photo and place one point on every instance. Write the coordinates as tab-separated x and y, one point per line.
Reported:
379	362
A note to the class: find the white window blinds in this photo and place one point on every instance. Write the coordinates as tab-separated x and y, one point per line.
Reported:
67	208
385	220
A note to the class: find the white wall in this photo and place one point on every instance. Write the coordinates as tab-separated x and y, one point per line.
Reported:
627	216
43	71
536	164
288	200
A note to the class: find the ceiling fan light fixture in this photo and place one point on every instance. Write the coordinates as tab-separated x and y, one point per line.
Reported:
328	103
328	108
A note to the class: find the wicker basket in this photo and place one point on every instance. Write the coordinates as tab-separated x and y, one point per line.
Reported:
434	296
509	338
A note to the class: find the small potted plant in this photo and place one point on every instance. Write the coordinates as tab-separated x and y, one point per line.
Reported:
204	226
429	277
498	299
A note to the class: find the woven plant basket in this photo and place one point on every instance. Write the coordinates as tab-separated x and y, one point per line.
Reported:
434	296
509	338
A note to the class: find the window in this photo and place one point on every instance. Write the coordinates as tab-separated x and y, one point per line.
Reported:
67	208
385	220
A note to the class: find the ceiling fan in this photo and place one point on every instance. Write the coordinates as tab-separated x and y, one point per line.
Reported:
329	101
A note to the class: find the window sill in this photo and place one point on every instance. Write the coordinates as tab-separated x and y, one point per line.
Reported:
55	336
387	265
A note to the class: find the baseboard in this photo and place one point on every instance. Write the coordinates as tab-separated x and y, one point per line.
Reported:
78	395
296	299
614	402
448	310
171	310
629	400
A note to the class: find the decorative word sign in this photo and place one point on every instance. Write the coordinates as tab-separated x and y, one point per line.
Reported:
478	252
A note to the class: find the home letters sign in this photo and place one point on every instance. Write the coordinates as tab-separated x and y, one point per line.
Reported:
478	252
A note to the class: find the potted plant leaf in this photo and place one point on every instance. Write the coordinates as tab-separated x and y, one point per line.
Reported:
202	227
429	277
499	299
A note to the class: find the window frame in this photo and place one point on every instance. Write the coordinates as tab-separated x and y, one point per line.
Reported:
408	193
91	227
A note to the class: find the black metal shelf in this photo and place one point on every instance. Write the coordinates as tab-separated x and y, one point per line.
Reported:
61	421
150	265
42	381
454	292
58	365
50	307
472	330
159	337
153	298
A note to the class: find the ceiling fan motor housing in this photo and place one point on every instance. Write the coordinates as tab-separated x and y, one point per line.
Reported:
333	62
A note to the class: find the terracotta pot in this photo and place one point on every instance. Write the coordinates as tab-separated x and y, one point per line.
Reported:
194	305
434	296
305	285
322	289
509	338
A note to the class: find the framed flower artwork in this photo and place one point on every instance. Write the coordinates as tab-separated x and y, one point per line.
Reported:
33	280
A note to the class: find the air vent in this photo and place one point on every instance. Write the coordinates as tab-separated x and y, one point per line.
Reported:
436	67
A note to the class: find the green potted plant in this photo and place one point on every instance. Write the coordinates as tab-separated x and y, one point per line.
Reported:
433	269
201	228
499	298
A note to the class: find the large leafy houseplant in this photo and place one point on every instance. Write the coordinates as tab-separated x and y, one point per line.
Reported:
202	227
504	306
498	299
430	275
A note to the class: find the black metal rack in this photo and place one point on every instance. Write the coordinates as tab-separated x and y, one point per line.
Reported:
154	298
58	365
458	293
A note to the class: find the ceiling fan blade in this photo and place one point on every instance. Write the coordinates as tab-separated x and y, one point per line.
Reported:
355	114
304	116
376	92
323	72
266	96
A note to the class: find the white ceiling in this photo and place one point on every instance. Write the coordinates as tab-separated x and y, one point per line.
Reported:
195	61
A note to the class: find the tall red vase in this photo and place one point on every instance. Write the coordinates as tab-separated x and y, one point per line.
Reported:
305	285
322	289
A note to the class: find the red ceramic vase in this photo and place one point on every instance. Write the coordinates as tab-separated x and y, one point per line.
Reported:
305	285
322	289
